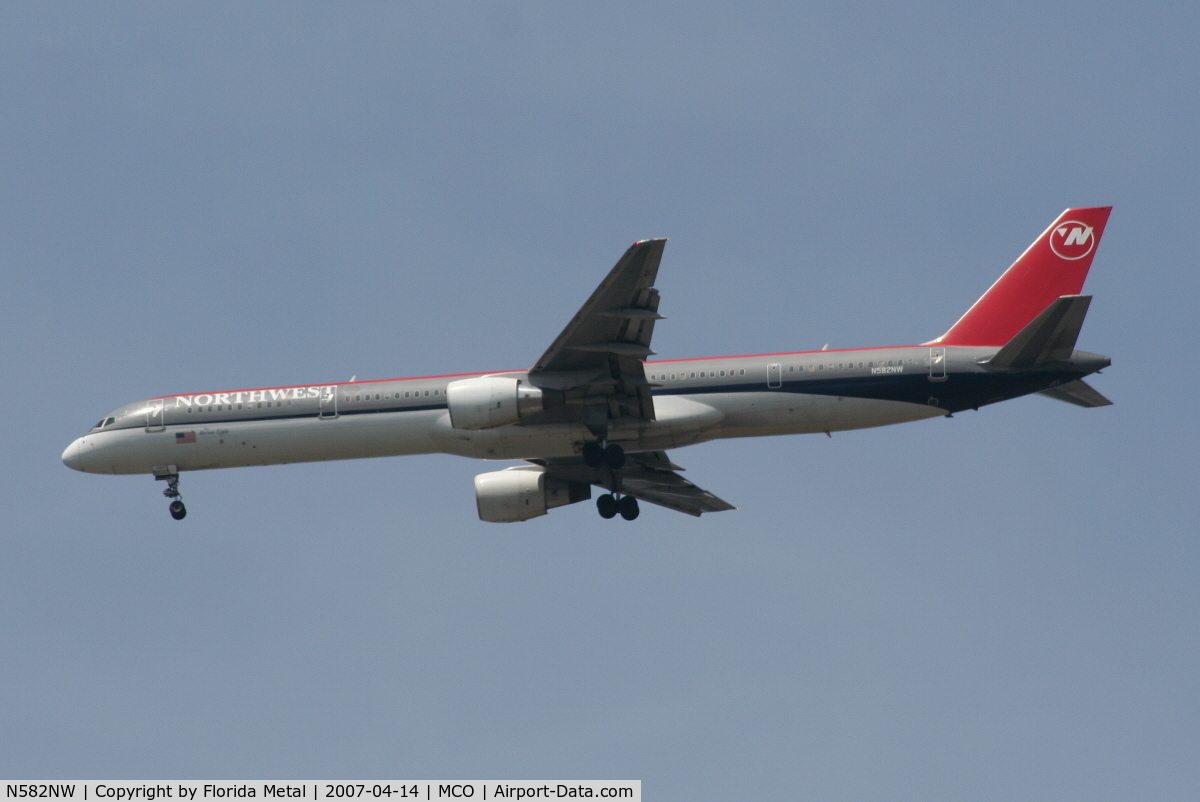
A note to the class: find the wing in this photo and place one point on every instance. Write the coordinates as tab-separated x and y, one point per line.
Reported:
596	363
648	475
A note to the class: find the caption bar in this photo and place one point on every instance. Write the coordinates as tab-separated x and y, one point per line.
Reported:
194	791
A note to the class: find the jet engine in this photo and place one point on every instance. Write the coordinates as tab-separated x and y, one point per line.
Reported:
491	401
523	492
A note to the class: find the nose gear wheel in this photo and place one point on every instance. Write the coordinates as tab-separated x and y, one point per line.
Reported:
176	508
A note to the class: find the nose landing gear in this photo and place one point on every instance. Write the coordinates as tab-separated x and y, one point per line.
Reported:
170	475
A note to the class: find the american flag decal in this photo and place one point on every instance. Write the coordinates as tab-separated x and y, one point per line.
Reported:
185	437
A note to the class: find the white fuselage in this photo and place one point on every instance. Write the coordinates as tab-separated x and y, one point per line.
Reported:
409	416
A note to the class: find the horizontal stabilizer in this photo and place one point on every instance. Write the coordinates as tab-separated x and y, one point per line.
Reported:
1079	393
1049	337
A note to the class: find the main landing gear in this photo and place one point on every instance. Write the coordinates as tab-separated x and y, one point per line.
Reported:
609	504
171	477
598	453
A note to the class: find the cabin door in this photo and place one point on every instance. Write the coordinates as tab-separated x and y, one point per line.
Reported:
154	415
937	364
328	403
774	375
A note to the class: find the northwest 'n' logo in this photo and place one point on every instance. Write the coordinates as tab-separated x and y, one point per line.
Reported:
1072	240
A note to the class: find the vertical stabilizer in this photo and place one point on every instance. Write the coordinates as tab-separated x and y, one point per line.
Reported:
1053	266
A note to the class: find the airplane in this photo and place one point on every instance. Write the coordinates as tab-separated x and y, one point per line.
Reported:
593	412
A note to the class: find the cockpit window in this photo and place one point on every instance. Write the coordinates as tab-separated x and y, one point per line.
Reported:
98	425
103	423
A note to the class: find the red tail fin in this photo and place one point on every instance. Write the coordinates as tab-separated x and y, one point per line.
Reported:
1054	265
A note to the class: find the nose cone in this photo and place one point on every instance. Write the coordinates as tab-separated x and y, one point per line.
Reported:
73	456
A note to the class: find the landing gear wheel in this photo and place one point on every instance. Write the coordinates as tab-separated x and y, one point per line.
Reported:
629	507
614	455
607	505
171	477
593	454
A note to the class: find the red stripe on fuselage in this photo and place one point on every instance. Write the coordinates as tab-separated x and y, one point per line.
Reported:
780	353
334	384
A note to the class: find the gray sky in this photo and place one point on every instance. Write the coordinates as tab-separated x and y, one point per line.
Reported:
202	197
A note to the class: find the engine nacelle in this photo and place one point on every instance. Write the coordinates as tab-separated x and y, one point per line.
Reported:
491	401
523	492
